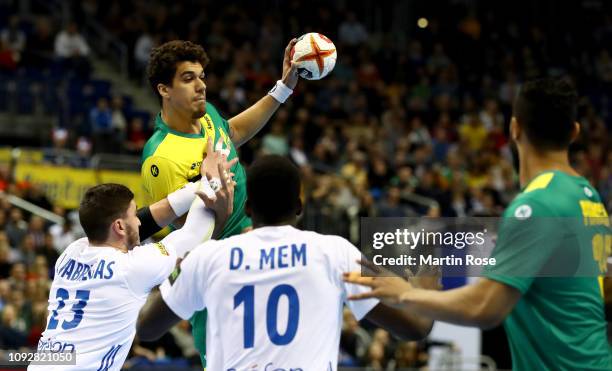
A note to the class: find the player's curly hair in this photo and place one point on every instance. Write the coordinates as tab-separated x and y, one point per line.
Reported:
164	59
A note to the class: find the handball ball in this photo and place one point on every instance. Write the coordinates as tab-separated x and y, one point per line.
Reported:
315	56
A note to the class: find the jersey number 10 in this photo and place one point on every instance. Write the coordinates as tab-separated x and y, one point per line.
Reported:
246	295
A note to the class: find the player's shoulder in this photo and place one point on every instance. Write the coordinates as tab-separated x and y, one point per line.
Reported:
552	193
209	250
328	242
153	143
76	246
524	205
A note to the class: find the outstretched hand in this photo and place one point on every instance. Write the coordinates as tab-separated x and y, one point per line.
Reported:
212	158
385	285
222	202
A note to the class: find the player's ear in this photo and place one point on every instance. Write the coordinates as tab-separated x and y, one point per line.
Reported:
575	132
118	227
163	90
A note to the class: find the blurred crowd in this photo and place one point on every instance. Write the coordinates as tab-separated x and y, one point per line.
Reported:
413	125
408	124
29	248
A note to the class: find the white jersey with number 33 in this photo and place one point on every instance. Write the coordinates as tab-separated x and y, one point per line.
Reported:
94	302
274	298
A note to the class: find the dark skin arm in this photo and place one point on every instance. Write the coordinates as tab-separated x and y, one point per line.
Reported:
156	318
401	324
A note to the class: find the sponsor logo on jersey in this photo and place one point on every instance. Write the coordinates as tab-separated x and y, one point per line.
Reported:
162	249
588	192
154	170
196	165
49	345
175	273
523	212
209	123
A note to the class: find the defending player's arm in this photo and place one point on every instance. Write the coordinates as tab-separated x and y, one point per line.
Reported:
247	123
484	304
161	213
523	248
176	299
150	264
402	324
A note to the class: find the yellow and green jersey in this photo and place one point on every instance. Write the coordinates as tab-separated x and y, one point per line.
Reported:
552	246
170	159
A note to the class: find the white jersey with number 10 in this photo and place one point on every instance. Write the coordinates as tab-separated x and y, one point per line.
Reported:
274	297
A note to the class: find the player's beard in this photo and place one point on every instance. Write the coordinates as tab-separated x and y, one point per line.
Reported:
133	237
200	112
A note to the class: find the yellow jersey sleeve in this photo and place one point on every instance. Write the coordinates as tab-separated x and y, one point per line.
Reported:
161	176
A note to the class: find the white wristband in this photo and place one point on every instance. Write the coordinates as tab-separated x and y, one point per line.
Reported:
181	199
206	187
280	92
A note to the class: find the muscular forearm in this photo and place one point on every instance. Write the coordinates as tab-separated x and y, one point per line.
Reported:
466	306
246	124
402	324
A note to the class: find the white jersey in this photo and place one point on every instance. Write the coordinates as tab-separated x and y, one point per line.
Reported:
274	298
95	298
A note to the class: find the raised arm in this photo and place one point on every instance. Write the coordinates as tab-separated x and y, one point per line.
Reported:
248	123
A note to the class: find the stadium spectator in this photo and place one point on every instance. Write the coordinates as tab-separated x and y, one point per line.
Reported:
14	38
16	228
63	234
118	121
351	31
73	50
136	137
354	339
275	142
101	121
39	45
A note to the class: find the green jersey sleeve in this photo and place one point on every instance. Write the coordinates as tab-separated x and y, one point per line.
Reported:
526	242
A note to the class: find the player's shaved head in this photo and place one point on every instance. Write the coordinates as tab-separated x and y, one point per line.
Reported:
273	190
100	206
546	110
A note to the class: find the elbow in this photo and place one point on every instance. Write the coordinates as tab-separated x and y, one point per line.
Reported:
415	332
490	322
487	319
425	330
146	331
